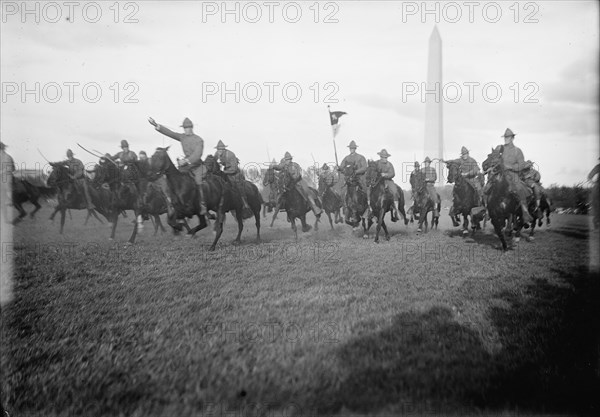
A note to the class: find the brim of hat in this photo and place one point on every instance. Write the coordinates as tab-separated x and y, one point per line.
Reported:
508	136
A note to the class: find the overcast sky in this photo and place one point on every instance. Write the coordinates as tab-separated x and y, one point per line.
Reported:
172	54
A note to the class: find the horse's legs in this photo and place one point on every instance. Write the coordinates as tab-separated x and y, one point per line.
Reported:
274	215
385	229
37	207
365	234
330	221
22	212
63	213
93	212
56	210
257	223
293	222
113	230
240	220
218	227
305	227
135	227
317	220
498	229
466	225
155	219
379	221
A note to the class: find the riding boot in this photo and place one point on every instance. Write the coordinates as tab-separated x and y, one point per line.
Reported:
526	216
537	208
203	210
314	206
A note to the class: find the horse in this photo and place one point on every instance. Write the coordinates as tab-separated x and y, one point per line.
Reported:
357	203
123	182
381	200
253	196
332	202
70	195
23	190
465	199
272	184
185	197
295	205
423	203
503	206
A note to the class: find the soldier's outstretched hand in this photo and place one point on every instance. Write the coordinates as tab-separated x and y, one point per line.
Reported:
151	121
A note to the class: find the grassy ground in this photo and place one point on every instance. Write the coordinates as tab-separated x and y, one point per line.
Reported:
331	325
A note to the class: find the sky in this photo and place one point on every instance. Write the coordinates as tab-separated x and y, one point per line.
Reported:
94	72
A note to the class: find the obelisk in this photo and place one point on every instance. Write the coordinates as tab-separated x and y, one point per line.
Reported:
434	137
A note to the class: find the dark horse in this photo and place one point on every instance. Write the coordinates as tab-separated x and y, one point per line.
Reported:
185	198
503	206
357	203
71	195
272	189
295	205
253	196
332	202
23	190
381	200
423	203
464	199
123	182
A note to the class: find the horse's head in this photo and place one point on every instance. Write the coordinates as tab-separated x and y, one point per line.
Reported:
453	171
212	165
493	160
59	175
372	175
159	163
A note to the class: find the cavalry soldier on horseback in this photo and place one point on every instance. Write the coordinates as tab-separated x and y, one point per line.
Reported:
430	179
231	168
387	172
76	174
360	167
301	185
469	170
514	163
326	178
125	156
413	179
532	178
193	146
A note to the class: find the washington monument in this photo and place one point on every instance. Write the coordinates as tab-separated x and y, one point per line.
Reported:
434	121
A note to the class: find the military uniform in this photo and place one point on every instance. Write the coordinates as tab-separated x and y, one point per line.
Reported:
193	146
532	178
514	163
231	168
125	156
386	169
430	175
295	172
360	167
326	179
76	169
469	169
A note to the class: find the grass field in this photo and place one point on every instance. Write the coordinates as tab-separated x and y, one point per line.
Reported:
331	325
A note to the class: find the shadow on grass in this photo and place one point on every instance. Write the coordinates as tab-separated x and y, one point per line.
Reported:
548	361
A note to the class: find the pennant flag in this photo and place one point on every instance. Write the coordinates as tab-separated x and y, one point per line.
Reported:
334	118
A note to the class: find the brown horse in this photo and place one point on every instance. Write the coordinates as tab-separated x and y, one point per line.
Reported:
295	205
219	197
357	202
381	200
464	199
24	190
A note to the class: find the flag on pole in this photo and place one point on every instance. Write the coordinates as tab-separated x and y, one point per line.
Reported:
334	117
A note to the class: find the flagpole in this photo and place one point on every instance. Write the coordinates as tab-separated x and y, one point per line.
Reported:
333	134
